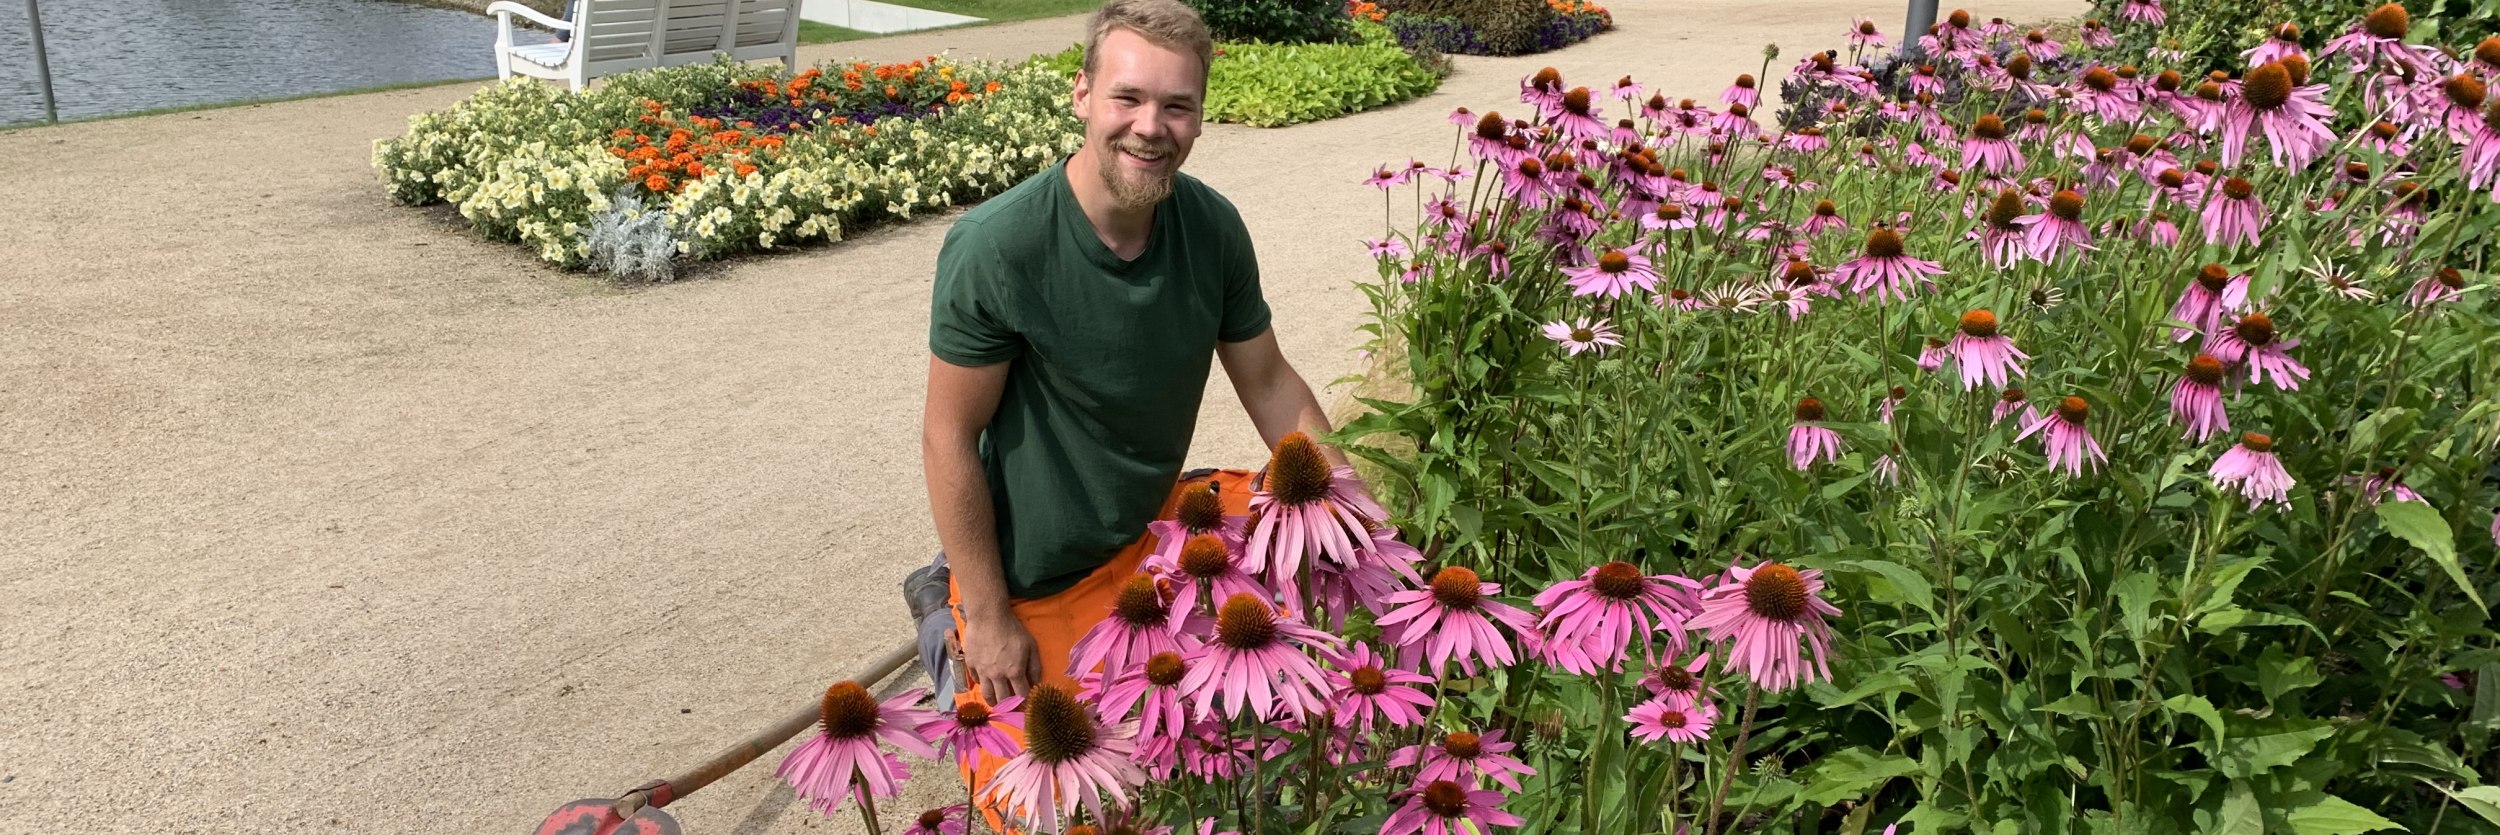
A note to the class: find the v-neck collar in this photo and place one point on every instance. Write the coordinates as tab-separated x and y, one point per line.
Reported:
1082	228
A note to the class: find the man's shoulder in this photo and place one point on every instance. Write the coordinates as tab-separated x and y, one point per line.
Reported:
1202	204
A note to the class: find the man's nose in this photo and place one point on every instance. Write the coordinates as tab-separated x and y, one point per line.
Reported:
1147	126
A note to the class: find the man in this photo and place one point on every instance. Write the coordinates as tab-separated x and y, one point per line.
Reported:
1071	330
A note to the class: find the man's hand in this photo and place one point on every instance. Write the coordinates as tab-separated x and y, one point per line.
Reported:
1001	655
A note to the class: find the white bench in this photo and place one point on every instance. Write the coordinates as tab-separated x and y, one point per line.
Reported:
614	36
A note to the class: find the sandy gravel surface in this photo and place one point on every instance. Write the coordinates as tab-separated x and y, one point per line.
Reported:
321	516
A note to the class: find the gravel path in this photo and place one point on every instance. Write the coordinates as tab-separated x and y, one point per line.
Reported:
321	516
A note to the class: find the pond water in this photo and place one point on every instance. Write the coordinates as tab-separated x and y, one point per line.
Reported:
119	56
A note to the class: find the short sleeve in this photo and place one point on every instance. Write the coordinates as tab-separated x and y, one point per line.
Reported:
1245	307
966	327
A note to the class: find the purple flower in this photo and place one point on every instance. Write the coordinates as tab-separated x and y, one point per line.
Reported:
2067	442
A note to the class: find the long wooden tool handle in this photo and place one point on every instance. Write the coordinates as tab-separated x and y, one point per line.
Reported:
663	792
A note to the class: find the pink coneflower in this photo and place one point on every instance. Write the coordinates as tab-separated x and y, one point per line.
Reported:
2234	216
2040	47
1464	758
1987	149
1206	570
841	759
1892	400
2445	285
2143	11
1743	92
1576	117
2098	93
2010	402
1253	668
1149	693
1808	440
1766	611
1454	618
2293	117
1071	760
944	820
2196	400
1862	33
1667	217
1931	355
2336	281
1602	611
2379	36
2067	442
1680	683
1805	140
2282	41
2096	35
1544	89
1982	353
2000	232
1616	272
2258	350
975	729
2385	483
1141	624
1582	335
1682	724
1887	468
1826	217
2250	470
2213	292
1211	753
1306	508
2057	230
1370	692
1882	269
1442	807
1496	255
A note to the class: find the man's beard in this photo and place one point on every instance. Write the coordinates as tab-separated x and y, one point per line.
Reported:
1129	188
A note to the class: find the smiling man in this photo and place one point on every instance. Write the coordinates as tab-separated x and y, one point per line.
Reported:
1073	325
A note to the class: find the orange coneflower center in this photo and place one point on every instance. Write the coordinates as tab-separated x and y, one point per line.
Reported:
1139	603
1798	272
1463	745
1583	334
1882	242
1866	27
1577	101
1297	475
1739	111
1676	679
2209	91
2012	394
2073	410
1445	799
1822	60
2256	442
2168	81
2450	278
972	715
2255	329
2237	189
2267	87
2465	90
1619	580
1492	126
1899	392
1245	623
2287	32
2005	209
2491	119
2388	21
1614	261
1959	19
1950	177
848	711
1670	211
2140	144
2172	178
1547	78
1988	126
1809	409
932	819
1083	829
2019	67
2036	116
1529	167
1369	681
2205	370
1824	208
1166	669
1457	587
2100	80
2357	170
2066	205
1776	592
1979	324
1201	510
1672	719
2213	277
1203	557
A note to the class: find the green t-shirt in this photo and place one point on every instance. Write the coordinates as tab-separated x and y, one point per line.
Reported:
1109	360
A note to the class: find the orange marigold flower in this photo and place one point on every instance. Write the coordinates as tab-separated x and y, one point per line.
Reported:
991	87
656	183
745	169
694	169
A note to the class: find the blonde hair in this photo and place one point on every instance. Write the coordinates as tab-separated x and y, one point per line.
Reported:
1165	23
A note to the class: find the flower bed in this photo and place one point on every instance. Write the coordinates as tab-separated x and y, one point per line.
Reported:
1572	22
734	159
1273	85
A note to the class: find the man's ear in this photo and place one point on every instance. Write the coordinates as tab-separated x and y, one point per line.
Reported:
1084	90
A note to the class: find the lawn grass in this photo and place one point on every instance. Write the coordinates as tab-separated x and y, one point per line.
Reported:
812	32
1003	10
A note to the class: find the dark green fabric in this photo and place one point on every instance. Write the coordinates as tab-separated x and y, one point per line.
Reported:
1108	358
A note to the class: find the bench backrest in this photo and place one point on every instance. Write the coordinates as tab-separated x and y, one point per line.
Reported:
616	36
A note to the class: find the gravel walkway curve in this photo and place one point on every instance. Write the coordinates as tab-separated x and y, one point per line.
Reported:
321	516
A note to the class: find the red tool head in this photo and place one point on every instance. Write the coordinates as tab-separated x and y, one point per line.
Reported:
597	816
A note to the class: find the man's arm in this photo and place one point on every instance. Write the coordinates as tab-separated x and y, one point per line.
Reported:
1278	400
998	650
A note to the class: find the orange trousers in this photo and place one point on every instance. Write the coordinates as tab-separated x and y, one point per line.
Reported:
1060	620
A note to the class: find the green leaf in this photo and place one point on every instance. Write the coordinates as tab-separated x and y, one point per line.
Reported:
2074	704
2249	756
2417	523
2135	602
2483	800
2486	695
1850	774
2333	815
1912	586
2279	673
2201	708
2239	815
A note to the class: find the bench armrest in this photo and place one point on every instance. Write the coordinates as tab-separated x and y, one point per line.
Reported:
504	9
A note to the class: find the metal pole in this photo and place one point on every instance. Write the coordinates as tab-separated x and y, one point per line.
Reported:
1922	15
43	65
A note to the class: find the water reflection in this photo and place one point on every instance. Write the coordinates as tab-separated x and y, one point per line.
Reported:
117	56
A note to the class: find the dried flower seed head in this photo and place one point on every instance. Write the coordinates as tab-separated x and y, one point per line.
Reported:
2449	277
1809	410
1457	587
1576	101
1776	592
1882	242
2256	442
1056	728
1463	745
1166	669
1979	324
2073	409
2255	329
2168	81
2100	80
2465	91
1619	580
1445	799
2209	91
2388	21
2205	370
1959	19
2066	205
1139	603
2019	67
1297	475
2213	277
2013	394
2005	209
1245	622
848	711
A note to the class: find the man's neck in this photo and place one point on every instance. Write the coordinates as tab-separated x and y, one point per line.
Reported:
1124	231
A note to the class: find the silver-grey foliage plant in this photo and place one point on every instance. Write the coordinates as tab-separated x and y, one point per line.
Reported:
632	243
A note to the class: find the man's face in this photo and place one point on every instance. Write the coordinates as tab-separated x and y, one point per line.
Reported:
1141	113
